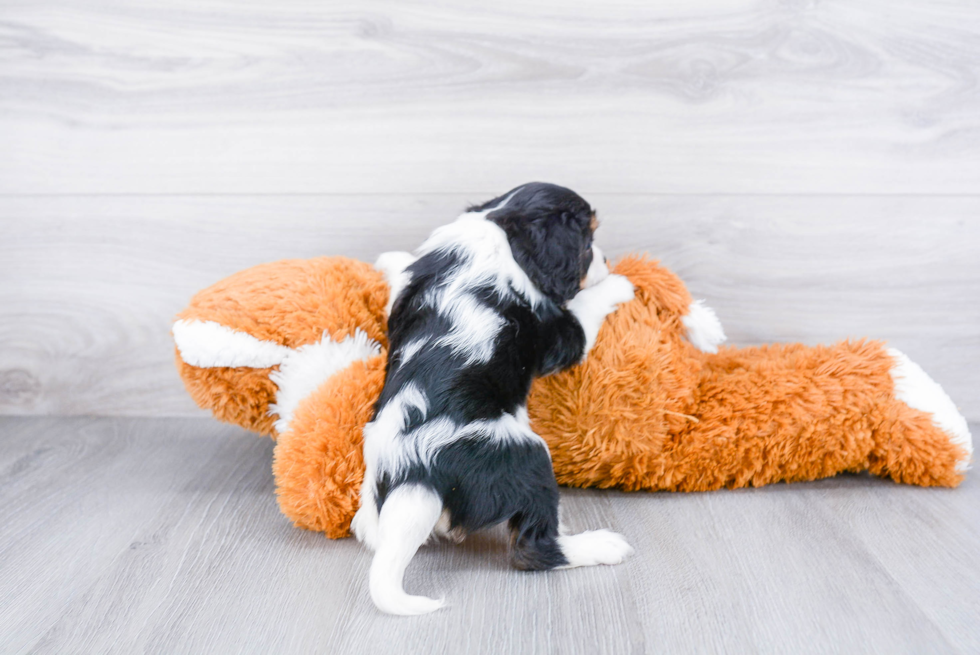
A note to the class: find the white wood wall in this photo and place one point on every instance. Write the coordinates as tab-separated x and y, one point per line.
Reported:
812	169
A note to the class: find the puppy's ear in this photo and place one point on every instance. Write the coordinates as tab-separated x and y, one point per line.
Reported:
551	251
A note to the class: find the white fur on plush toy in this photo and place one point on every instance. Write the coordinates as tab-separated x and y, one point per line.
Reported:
915	388
309	366
704	330
207	344
301	370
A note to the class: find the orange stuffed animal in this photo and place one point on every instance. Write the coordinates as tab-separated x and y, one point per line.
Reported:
296	350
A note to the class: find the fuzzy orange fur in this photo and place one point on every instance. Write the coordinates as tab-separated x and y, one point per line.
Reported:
318	463
293	303
646	410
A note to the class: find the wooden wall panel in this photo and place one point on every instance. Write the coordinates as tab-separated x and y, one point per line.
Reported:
89	285
382	96
810	168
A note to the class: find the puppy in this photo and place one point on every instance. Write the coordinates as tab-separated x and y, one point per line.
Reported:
513	289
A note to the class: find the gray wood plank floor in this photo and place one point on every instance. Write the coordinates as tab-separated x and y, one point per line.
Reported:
124	535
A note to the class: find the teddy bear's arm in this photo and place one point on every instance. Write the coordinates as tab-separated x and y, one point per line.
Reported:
660	288
704	330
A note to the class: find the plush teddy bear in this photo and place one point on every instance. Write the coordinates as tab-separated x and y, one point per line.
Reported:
296	349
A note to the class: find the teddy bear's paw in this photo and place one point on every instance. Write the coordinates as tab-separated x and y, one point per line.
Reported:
704	330
915	388
594	547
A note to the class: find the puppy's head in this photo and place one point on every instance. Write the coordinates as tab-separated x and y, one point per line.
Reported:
550	233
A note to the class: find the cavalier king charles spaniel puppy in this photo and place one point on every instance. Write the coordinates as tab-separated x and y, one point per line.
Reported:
511	290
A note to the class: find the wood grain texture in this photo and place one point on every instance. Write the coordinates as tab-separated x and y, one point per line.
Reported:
162	535
89	285
379	96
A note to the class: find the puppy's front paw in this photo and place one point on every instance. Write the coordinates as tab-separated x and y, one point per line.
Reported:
617	289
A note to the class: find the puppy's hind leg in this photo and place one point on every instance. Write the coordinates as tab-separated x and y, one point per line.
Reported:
407	518
364	525
594	547
538	544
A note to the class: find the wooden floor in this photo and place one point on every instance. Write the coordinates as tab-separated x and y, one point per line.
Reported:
125	535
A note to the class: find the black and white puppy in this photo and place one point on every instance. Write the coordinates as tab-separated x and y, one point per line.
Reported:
511	290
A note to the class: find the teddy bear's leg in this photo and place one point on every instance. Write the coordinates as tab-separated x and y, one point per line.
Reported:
792	412
319	462
919	391
227	371
307	367
660	290
923	438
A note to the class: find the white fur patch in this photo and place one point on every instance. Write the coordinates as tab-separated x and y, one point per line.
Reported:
386	448
704	330
208	344
309	366
598	270
915	388
411	397
594	547
393	265
411	349
591	306
475	328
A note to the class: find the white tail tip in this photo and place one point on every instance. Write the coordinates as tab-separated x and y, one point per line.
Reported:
402	604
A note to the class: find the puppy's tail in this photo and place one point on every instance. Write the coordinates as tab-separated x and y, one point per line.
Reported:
407	517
